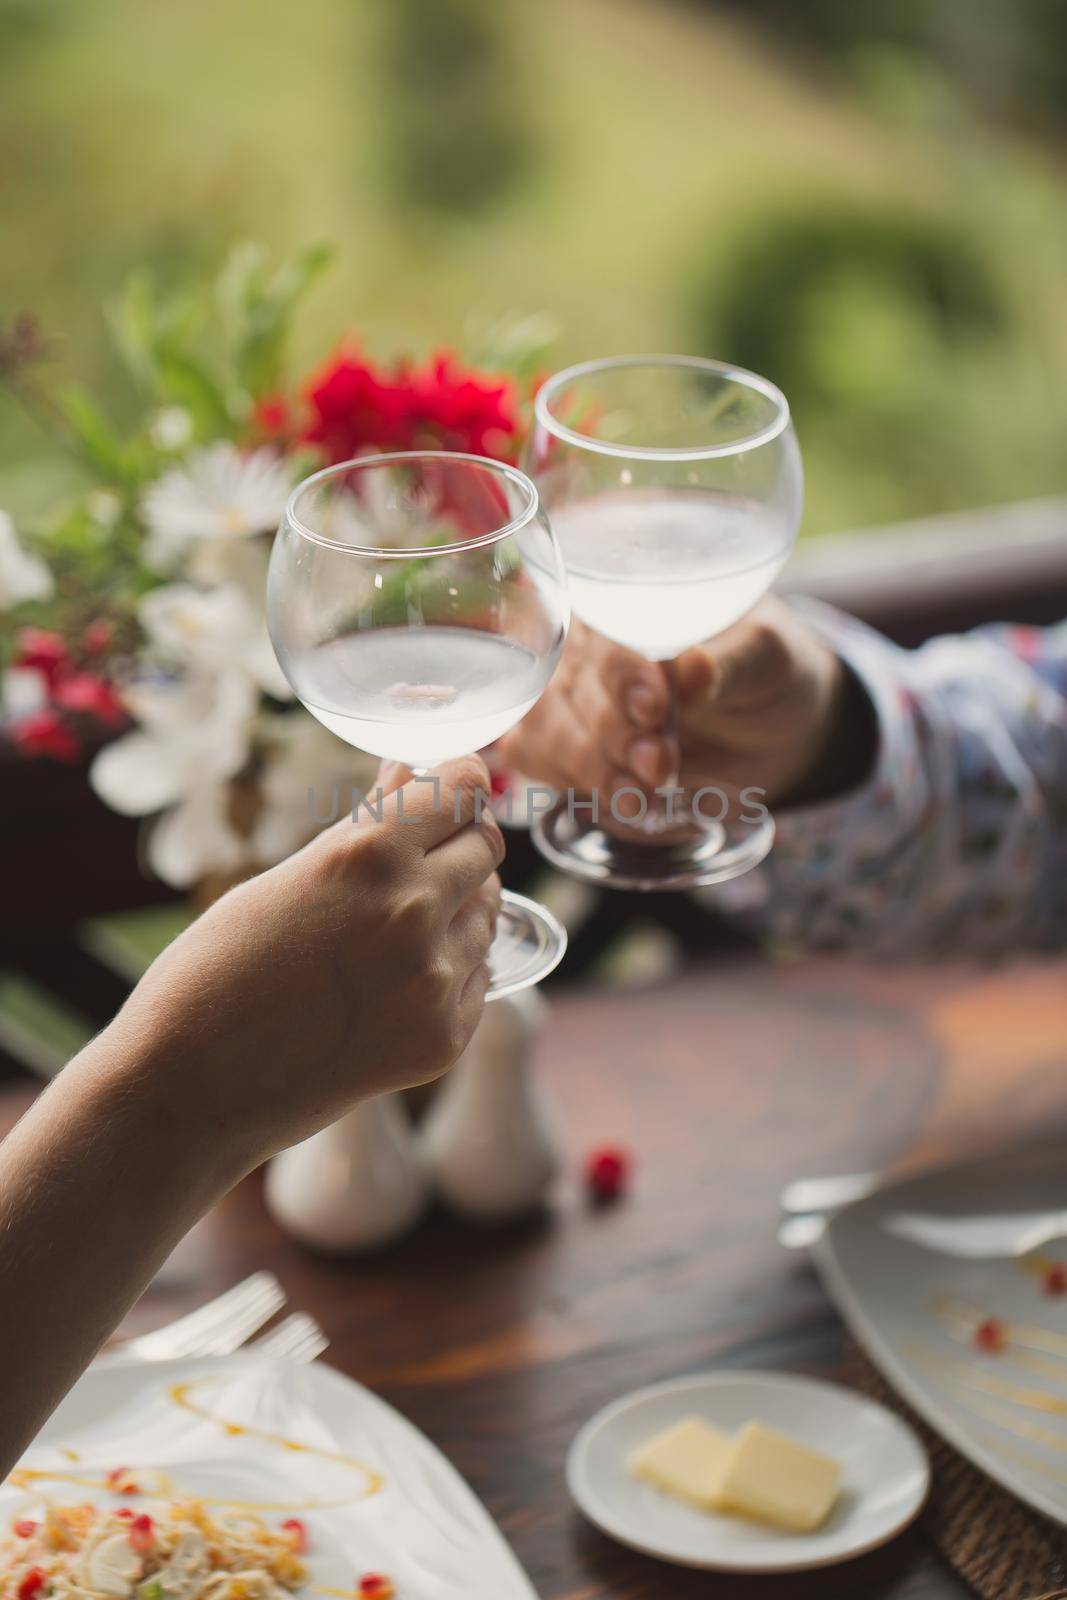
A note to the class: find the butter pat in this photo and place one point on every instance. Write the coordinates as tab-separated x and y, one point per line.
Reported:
686	1460
772	1478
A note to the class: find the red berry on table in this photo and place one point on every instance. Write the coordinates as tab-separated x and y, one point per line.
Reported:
1055	1281
607	1172
25	1528
298	1534
376	1586
31	1585
990	1336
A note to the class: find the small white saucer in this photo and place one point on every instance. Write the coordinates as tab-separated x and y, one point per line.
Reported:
884	1481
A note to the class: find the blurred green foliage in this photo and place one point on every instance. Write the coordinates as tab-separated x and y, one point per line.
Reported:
787	267
862	317
457	137
1008	56
643	174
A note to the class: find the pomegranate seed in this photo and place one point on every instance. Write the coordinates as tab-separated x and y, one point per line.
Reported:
26	1528
990	1336
376	1586
1056	1279
32	1584
142	1534
298	1534
119	1481
607	1172
125	1513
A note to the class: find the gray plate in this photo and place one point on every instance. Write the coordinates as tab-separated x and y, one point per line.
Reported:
914	1312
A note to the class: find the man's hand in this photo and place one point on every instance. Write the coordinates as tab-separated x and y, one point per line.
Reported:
762	706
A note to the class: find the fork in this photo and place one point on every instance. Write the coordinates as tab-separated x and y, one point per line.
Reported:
215	1329
982	1238
297	1338
809	1204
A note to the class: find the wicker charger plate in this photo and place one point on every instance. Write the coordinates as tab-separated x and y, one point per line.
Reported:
1000	1547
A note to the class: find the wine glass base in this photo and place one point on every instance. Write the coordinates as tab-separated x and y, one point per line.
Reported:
583	849
529	944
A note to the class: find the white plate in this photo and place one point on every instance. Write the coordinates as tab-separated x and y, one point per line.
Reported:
423	1526
888	1291
884	1480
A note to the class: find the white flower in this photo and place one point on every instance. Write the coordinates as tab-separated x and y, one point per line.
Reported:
309	775
242	561
104	507
194	735
196	838
171	428
219	493
383	512
23	691
22	576
216	630
190	730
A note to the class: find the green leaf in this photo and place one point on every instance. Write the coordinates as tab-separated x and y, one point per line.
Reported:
182	380
519	345
94	436
258	309
132	319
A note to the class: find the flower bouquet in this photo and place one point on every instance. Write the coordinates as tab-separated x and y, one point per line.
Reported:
133	635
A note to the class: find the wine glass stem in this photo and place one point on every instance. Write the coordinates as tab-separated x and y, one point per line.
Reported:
670	726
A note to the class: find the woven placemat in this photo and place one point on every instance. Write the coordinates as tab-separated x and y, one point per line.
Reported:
1004	1550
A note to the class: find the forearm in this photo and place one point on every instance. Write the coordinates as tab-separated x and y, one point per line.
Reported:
847	756
953	842
98	1182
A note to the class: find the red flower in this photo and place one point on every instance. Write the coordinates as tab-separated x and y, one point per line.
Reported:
355	407
46	734
44	651
271	418
84	692
97	636
458	410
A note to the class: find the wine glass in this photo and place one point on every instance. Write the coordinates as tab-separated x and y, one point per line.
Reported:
674	485
418	606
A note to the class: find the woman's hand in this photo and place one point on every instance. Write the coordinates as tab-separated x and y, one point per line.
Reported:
760	706
355	967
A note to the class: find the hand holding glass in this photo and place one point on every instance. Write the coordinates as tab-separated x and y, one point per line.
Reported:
418	607
674	485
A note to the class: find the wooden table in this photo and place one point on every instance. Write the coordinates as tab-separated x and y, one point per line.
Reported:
726	1084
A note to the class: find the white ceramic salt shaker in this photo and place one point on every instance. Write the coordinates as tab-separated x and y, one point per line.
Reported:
355	1186
489	1141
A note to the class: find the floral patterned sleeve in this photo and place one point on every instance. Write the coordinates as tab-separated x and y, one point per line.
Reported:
958	841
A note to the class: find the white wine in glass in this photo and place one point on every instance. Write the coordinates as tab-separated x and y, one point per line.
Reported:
675	487
418	607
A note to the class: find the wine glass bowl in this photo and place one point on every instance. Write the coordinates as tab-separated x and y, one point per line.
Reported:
418	606
675	489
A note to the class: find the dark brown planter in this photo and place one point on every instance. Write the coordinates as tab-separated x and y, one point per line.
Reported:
63	855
